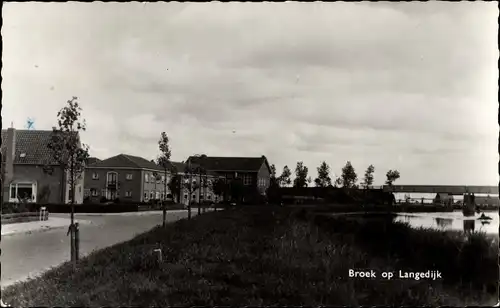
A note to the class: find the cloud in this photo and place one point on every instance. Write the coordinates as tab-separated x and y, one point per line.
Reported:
410	86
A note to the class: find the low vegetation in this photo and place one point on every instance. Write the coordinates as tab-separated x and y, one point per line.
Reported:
119	207
272	256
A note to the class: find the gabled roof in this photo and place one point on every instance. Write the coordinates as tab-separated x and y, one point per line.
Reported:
125	161
248	164
180	167
92	160
33	144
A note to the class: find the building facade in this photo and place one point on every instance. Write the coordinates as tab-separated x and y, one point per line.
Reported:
135	179
29	171
252	173
124	177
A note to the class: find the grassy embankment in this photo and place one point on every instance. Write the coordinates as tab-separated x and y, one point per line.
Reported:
258	256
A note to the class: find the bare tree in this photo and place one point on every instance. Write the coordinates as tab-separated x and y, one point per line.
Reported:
164	162
189	185
69	153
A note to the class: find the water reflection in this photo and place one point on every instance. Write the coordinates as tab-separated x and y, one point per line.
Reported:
452	221
443	222
469	225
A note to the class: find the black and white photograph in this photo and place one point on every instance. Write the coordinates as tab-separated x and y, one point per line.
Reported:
250	154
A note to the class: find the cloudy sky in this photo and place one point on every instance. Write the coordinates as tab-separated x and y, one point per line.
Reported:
406	86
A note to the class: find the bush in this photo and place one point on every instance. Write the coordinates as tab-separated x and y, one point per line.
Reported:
11	207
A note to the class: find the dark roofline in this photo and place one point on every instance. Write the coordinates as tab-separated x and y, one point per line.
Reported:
234	157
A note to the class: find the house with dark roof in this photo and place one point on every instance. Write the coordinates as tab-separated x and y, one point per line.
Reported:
124	177
253	173
29	170
200	193
136	179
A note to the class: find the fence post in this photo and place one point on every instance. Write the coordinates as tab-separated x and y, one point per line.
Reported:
43	211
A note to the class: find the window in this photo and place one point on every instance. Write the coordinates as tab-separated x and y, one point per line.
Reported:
111	177
162	195
128	194
158	179
93	192
185	196
146	178
152	194
247	179
22	191
157	195
146	195
194	196
103	192
128	176
95	176
163	179
209	197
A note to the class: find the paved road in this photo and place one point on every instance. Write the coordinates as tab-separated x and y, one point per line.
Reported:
26	255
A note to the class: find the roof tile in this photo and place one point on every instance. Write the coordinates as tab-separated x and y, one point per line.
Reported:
34	144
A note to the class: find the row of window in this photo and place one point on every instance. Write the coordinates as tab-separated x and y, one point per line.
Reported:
111	176
159	179
156	195
95	193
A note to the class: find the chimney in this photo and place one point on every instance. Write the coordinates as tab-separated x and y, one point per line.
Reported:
10	155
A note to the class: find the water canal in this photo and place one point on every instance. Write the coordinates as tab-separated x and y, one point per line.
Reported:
452	221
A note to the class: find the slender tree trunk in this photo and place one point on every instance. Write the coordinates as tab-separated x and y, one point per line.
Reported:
164	199
72	225
199	191
190	193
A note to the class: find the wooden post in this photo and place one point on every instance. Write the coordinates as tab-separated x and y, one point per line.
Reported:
77	242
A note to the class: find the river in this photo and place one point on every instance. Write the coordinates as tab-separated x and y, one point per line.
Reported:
452	221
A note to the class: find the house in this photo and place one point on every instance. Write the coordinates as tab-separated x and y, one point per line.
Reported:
29	170
125	177
253	172
136	179
200	193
